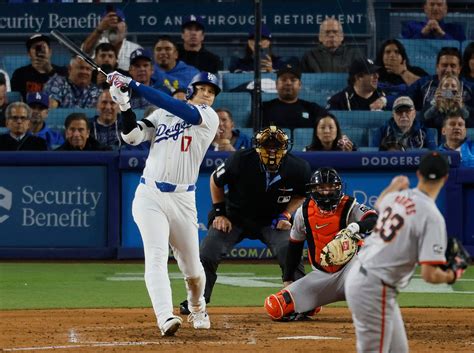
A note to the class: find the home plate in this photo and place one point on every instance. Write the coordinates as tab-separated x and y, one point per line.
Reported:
309	338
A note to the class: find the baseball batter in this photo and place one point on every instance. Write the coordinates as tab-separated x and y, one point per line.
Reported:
326	213
164	207
410	230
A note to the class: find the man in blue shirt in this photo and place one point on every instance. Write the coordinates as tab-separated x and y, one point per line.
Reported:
454	131
433	27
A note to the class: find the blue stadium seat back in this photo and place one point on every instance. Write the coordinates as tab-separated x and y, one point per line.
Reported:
423	52
434	132
138	113
371	138
239	103
233	80
323	83
367	149
14	96
358	135
13	62
315	97
470	133
56	117
302	137
3	130
61	59
361	118
269	96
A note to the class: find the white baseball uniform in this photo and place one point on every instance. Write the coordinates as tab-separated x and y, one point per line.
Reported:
164	206
410	229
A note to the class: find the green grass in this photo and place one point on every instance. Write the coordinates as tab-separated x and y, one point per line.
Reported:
36	285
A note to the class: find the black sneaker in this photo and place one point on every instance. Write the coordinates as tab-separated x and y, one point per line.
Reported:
183	308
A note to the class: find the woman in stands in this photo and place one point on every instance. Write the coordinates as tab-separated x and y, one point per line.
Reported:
395	73
467	71
327	136
269	62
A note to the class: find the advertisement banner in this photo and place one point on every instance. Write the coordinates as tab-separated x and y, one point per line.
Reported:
60	206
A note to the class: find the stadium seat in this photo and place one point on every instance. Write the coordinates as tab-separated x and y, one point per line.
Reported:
247	131
56	117
232	80
239	103
323	83
464	45
423	52
13	62
361	118
302	137
358	135
470	133
3	130
14	96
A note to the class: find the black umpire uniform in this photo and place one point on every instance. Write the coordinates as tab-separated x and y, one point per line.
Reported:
255	198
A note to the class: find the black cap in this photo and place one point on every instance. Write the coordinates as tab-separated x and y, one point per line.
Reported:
289	69
364	66
193	20
433	166
37	38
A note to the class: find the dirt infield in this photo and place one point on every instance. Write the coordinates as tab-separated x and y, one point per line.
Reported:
233	330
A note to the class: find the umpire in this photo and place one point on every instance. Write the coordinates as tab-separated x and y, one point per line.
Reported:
265	187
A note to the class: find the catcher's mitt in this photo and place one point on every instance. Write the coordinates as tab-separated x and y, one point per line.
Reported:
457	258
341	249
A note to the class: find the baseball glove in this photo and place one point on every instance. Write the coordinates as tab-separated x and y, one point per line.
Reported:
341	249
457	258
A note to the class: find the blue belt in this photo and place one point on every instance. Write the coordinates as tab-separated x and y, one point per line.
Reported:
168	187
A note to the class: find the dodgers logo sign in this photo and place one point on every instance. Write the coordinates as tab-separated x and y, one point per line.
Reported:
5	202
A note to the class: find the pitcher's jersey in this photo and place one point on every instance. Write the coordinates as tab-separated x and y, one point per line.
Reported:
410	230
177	147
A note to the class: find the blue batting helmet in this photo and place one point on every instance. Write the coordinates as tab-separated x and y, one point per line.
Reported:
203	78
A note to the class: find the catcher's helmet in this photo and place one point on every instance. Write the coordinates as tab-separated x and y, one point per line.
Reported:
326	188
271	144
202	78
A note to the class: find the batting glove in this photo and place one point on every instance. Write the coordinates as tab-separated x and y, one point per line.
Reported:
352	230
120	97
117	79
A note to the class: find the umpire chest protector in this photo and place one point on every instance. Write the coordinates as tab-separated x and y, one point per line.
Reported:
322	227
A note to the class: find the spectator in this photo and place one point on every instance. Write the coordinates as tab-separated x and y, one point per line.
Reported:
39	102
395	73
32	78
74	91
168	70
268	61
106	58
78	135
330	54
434	26
18	138
192	52
404	128
106	126
454	131
265	187
287	110
3	100
447	99
362	92
141	70
422	92
228	138
467	70
112	29
6	79
327	136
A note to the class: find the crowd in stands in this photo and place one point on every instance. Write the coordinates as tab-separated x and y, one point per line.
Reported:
424	111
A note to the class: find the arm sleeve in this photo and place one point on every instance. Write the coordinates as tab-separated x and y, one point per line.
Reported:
185	111
367	223
129	120
293	258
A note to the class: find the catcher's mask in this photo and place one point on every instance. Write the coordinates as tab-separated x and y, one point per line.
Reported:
271	144
325	188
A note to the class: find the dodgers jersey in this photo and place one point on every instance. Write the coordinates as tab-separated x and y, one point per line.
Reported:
410	230
177	147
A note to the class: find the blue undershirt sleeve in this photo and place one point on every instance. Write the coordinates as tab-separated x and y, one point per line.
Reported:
185	111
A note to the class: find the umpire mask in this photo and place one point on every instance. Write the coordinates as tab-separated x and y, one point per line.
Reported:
325	188
271	144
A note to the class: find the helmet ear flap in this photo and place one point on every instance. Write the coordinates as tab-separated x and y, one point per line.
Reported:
189	92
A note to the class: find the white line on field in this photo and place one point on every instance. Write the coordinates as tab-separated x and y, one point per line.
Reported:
309	338
73	338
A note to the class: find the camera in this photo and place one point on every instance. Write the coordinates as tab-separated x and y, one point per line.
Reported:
264	52
446	93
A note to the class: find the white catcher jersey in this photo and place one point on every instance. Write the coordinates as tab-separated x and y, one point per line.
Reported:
410	230
177	147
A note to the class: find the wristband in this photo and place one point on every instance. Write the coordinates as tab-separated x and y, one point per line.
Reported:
219	209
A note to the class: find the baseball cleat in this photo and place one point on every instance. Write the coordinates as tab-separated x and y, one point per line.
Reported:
171	325
200	320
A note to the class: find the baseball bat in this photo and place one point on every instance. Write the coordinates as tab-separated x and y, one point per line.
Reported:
61	38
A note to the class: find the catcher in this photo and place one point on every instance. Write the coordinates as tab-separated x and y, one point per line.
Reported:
334	225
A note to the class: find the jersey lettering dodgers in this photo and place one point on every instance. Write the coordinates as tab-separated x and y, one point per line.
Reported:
177	147
410	230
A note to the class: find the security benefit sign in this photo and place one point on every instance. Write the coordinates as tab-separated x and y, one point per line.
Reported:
53	207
